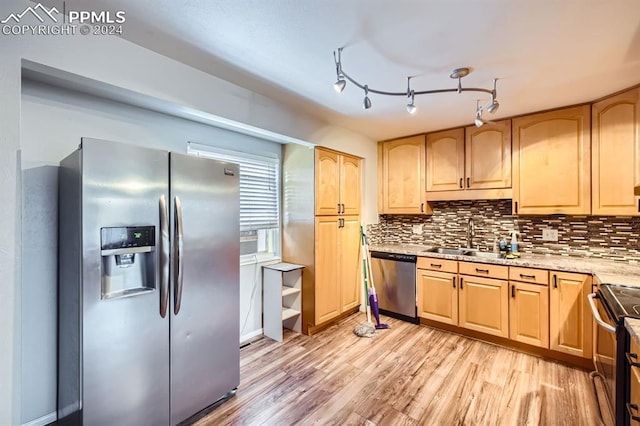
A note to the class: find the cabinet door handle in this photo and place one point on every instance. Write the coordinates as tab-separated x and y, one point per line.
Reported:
633	407
632	359
555	281
343	208
516	207
482	271
454	282
525	276
468	182
422	208
460	183
513	291
639	204
436	265
461	285
338	208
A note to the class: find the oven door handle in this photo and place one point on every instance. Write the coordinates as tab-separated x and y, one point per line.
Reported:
596	314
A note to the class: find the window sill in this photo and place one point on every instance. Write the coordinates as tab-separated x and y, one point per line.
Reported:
252	259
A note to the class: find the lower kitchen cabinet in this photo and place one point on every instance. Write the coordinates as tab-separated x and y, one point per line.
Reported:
327	285
529	314
570	323
437	296
349	262
337	248
484	305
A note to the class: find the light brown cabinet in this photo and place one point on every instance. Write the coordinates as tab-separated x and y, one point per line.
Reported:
469	163
551	162
337	266
570	323
445	160
401	174
337	188
529	313
484	305
349	262
323	187
615	139
488	156
437	296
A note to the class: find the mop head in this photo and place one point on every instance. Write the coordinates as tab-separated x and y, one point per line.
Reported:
365	330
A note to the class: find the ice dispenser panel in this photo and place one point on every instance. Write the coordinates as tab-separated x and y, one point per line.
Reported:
128	260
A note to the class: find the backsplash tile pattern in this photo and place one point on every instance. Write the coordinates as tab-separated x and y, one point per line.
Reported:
607	237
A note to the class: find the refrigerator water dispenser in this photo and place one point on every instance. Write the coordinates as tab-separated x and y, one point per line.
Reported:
128	261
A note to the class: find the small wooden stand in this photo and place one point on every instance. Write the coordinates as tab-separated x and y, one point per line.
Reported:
282	286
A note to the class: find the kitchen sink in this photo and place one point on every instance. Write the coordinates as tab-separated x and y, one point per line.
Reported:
484	254
443	250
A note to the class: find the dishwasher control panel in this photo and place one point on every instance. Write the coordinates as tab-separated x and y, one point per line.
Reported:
411	258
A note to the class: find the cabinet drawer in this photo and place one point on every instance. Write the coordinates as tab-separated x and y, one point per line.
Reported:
484	270
529	275
435	264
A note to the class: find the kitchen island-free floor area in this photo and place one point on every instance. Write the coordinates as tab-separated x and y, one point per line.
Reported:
406	375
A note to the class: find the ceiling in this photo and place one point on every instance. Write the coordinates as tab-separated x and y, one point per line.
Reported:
545	53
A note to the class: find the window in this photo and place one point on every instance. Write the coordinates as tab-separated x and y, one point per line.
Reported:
259	199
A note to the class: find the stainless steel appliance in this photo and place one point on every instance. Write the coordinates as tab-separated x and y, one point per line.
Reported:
610	305
394	276
148	285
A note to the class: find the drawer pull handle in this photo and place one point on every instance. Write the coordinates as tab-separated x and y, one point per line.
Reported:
532	277
482	271
632	359
436	265
630	408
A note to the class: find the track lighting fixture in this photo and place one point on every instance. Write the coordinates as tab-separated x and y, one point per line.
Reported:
456	74
411	106
367	101
479	122
494	105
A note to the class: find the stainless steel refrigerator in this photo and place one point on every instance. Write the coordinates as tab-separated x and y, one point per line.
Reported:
148	285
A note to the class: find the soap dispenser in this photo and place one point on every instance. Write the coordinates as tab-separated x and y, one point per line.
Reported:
514	242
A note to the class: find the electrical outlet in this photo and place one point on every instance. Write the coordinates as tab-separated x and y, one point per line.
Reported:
549	234
417	229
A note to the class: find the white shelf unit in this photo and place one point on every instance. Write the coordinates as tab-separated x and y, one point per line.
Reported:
282	287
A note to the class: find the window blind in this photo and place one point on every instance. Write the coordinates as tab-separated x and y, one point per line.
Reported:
259	187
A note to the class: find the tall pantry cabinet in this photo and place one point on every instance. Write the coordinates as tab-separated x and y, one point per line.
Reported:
321	230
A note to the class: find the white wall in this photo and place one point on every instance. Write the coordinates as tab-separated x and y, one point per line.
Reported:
124	65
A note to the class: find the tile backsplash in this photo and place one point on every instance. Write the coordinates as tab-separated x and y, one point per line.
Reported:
608	237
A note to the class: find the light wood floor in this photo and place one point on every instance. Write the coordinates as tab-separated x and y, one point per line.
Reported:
407	375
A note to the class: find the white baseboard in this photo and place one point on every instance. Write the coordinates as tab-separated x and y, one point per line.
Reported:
42	421
246	337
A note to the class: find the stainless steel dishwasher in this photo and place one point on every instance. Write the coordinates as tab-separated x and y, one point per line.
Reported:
394	276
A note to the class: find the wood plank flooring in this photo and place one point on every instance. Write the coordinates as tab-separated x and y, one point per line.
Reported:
408	375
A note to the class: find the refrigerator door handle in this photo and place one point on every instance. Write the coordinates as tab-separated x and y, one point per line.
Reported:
177	253
164	257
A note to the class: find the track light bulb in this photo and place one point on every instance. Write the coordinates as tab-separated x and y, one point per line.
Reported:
339	85
367	101
493	107
411	106
479	121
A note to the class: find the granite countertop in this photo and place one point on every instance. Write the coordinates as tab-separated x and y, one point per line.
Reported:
633	327
606	271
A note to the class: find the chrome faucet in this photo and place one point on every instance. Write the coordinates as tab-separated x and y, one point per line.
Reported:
470	232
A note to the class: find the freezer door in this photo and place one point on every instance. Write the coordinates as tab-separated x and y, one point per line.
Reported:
205	299
125	339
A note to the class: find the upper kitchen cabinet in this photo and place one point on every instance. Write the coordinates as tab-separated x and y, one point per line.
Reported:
616	154
337	183
551	167
401	176
471	163
445	160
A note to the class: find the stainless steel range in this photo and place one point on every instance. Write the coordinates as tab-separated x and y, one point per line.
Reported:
610	306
